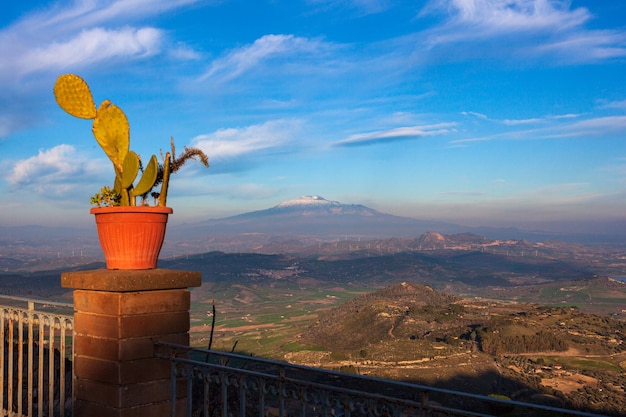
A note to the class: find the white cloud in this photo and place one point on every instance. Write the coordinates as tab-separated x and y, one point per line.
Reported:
244	59
53	171
477	115
236	142
585	47
527	27
621	104
76	15
83	33
90	47
506	16
514	122
400	133
597	127
364	7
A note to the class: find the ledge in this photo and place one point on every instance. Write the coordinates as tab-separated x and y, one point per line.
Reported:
119	280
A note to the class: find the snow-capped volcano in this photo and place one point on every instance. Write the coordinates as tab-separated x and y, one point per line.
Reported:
316	216
308	201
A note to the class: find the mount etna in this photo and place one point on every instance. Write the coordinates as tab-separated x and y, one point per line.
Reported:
314	219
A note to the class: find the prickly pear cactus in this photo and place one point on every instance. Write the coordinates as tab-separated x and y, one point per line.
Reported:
112	132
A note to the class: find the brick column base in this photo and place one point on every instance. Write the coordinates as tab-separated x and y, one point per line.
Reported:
118	315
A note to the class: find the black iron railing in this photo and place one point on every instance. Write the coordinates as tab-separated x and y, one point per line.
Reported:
231	385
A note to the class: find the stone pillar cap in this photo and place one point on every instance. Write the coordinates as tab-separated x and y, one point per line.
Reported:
125	280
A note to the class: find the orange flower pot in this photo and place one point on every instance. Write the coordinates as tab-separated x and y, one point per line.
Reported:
131	237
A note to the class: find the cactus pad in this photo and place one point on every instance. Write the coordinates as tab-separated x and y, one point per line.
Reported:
73	95
130	169
148	178
112	131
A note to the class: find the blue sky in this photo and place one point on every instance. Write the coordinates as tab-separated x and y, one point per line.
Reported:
478	112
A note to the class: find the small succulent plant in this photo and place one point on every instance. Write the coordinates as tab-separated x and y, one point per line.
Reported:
112	132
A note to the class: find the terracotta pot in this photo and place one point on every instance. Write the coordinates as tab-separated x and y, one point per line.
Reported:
131	236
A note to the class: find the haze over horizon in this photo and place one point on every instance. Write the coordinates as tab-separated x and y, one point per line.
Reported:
505	113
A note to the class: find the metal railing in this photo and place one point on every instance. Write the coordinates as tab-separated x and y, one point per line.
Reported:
35	357
226	385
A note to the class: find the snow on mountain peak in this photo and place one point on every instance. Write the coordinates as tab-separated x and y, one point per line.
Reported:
309	201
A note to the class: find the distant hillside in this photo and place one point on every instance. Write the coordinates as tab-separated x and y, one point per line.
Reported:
373	317
526	352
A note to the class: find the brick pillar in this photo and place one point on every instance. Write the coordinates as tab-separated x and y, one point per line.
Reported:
118	315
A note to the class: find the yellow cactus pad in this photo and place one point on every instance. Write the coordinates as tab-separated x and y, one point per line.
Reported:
148	177
73	95
130	169
112	131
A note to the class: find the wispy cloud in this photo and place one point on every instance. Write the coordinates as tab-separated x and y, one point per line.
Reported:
81	34
363	7
515	122
474	114
244	59
67	17
598	127
621	104
529	28
52	171
236	142
87	48
396	134
493	17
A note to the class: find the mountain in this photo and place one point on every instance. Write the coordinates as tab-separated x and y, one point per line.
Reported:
315	216
313	219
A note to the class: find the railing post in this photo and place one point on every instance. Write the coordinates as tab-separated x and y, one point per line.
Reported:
118	315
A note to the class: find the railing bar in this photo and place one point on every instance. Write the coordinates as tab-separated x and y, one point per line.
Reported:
242	398
10	369
261	398
189	371
20	362
326	403
71	323
2	362
30	361
173	389
40	387
206	387
62	348
301	395
224	381
281	392
51	367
